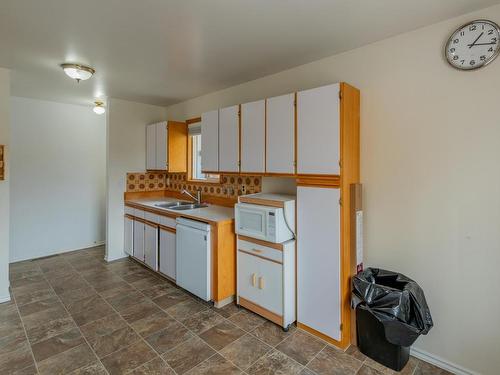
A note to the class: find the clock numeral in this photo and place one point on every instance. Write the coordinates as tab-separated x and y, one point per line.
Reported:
472	28
452	50
472	63
483	58
491	49
462	33
494	40
455	57
462	61
490	32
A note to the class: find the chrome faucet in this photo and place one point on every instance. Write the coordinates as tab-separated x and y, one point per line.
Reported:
197	199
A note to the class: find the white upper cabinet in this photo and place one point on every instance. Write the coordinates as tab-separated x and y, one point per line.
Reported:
253	137
210	141
280	139
229	139
151	147
161	146
318	130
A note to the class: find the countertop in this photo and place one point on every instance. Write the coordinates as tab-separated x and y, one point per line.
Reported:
211	214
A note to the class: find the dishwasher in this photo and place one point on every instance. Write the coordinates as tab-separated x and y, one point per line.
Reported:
193	257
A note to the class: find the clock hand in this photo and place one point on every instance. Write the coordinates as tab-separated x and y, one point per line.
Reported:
474	42
480	44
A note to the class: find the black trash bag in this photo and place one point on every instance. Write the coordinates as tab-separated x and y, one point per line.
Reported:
396	301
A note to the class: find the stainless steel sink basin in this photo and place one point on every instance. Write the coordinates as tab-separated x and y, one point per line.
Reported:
191	206
171	204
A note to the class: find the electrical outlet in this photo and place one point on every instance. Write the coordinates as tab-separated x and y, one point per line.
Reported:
168	181
243	189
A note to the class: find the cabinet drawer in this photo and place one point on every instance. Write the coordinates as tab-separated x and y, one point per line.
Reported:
167	221
139	213
129	210
154	218
260	250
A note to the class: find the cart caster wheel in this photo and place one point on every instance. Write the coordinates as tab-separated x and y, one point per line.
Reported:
286	329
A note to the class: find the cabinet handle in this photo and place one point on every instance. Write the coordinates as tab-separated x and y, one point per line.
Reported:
257	251
261	283
254	279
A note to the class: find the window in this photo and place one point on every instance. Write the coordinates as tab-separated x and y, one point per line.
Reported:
195	156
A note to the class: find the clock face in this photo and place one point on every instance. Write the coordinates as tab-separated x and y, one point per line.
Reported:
473	45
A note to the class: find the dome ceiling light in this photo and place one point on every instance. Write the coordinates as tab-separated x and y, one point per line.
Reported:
99	108
78	72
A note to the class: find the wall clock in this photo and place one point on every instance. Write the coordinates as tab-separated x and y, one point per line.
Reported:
473	45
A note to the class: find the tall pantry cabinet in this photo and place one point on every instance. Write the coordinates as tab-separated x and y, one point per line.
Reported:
327	164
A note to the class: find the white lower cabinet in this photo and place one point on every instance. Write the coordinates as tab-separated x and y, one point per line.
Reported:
167	253
139	240
128	240
266	280
318	260
151	246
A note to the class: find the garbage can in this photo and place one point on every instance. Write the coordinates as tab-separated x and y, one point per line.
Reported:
391	313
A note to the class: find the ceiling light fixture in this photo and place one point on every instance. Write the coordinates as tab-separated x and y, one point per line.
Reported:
78	72
99	108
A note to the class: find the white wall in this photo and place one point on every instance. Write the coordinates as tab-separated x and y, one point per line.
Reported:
126	152
4	185
430	154
58	178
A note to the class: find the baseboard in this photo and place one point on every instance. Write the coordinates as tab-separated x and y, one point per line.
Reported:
5	298
99	243
440	362
108	259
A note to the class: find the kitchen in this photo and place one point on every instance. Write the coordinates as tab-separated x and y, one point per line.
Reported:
240	202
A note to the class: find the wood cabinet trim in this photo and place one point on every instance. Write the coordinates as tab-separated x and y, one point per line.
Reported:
273	317
276	246
259	201
260	256
324	337
168	229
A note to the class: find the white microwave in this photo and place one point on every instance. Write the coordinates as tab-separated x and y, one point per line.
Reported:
264	222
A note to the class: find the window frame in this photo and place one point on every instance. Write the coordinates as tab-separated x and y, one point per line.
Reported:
211	178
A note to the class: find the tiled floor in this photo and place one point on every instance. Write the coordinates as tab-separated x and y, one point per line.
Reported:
76	314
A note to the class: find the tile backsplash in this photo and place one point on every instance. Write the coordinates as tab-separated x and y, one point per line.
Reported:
230	186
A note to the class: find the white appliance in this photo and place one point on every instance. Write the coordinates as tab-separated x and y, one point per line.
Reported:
274	222
193	257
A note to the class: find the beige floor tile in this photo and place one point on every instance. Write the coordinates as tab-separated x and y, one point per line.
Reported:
222	335
169	337
188	355
302	347
275	362
57	344
245	351
215	365
128	358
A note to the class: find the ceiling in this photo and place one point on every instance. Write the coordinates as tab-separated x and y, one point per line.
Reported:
166	51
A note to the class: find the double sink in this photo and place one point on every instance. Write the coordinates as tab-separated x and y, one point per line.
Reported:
181	205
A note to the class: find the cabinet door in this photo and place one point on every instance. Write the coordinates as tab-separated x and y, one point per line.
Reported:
167	253
248	276
161	146
151	147
318	259
229	139
270	286
151	246
210	141
253	137
280	138
129	236
139	240
318	130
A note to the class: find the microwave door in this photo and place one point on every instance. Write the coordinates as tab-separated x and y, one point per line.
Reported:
253	223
